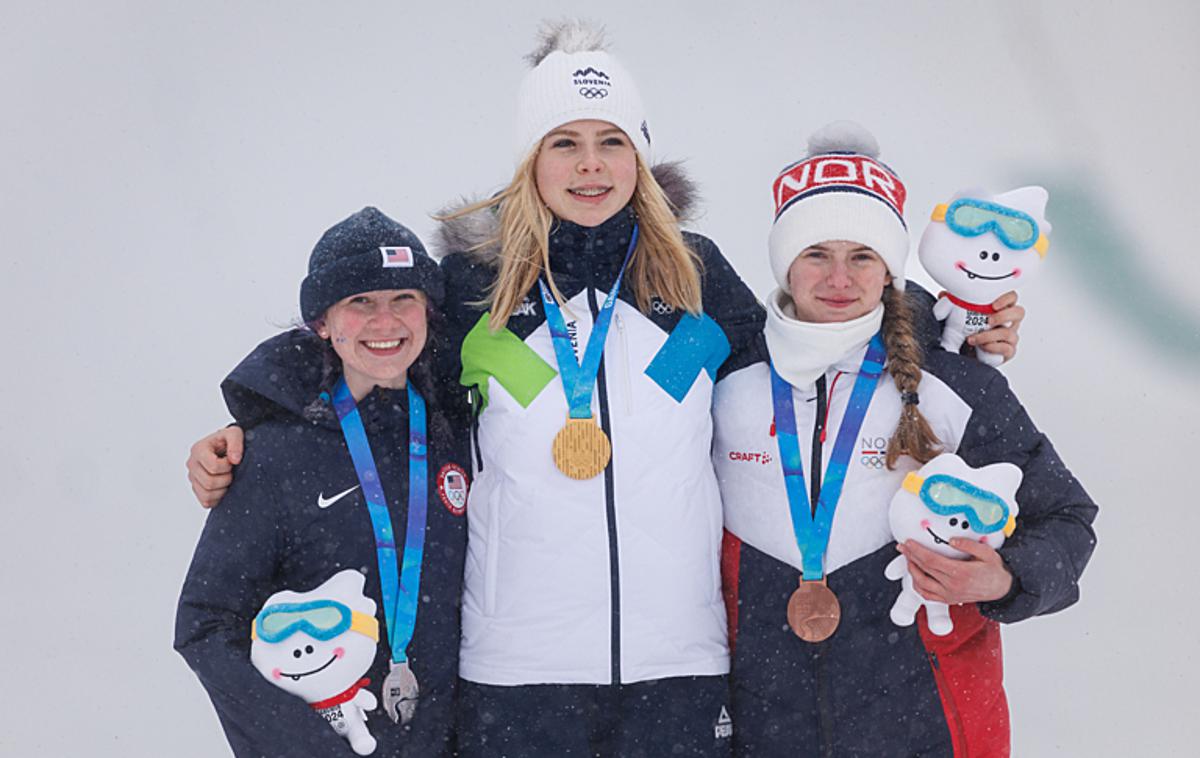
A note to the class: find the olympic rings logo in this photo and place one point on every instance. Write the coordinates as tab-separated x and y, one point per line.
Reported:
661	308
592	93
874	461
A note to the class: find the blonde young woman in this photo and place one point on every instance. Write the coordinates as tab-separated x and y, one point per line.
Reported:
592	332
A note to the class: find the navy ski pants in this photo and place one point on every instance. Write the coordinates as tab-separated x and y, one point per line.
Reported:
683	716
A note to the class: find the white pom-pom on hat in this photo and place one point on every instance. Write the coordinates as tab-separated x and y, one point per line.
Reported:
568	36
843	137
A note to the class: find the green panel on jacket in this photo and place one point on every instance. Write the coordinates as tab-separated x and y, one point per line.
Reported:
503	355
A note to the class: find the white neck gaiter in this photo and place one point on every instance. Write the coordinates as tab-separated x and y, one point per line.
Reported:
802	351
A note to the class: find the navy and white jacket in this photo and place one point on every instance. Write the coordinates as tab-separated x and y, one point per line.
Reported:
615	579
874	688
270	533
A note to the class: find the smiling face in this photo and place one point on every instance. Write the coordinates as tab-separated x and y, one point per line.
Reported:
378	335
911	520
312	669
947	498
586	171
836	281
977	269
304	665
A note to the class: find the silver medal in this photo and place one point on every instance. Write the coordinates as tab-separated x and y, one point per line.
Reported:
400	693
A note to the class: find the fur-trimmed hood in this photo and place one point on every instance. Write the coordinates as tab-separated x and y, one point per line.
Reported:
477	232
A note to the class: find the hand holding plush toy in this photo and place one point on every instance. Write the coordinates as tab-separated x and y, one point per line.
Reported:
947	498
979	246
317	645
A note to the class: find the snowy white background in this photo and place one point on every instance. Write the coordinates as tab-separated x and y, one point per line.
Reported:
167	167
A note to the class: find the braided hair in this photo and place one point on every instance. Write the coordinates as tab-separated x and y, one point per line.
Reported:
913	436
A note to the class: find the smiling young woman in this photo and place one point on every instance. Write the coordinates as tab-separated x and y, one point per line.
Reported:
613	533
327	402
810	532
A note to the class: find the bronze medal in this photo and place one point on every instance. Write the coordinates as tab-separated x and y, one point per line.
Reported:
581	448
813	611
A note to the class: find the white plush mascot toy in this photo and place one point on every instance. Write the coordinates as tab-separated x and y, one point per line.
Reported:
317	645
979	246
947	498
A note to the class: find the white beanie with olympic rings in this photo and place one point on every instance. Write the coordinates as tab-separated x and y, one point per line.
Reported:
575	78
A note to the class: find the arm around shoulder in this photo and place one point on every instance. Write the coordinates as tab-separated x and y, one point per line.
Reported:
729	302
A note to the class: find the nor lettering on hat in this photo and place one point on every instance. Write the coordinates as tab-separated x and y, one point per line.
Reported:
848	172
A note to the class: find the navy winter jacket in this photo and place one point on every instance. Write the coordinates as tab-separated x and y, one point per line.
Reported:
269	533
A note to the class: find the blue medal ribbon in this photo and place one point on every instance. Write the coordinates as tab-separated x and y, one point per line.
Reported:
579	377
812	528
400	587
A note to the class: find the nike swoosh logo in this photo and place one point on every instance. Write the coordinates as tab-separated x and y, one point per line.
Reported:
322	502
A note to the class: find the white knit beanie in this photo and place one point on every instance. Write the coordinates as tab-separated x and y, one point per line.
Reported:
840	191
574	78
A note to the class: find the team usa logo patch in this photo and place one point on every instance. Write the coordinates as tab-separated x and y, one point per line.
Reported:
452	487
397	257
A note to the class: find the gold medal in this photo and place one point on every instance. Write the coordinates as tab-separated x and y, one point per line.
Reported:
581	448
813	611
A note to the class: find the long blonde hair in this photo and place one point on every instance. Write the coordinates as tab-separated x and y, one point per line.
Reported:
662	266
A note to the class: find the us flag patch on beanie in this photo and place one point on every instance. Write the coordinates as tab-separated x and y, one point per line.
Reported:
397	257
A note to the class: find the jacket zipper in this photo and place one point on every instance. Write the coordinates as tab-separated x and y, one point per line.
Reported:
476	401
816	473
625	365
610	505
816	470
954	719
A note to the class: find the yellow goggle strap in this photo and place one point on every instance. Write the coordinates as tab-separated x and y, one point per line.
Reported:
912	482
1010	526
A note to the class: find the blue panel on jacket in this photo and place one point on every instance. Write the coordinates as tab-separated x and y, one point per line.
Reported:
696	344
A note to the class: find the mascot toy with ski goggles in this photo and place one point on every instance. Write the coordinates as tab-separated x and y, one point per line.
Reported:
317	645
946	498
979	246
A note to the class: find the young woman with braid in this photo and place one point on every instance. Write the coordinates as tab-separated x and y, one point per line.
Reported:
810	444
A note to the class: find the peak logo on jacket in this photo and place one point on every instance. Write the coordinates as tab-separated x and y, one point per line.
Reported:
452	486
526	308
723	728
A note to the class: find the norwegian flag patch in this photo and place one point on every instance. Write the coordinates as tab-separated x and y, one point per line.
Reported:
397	257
